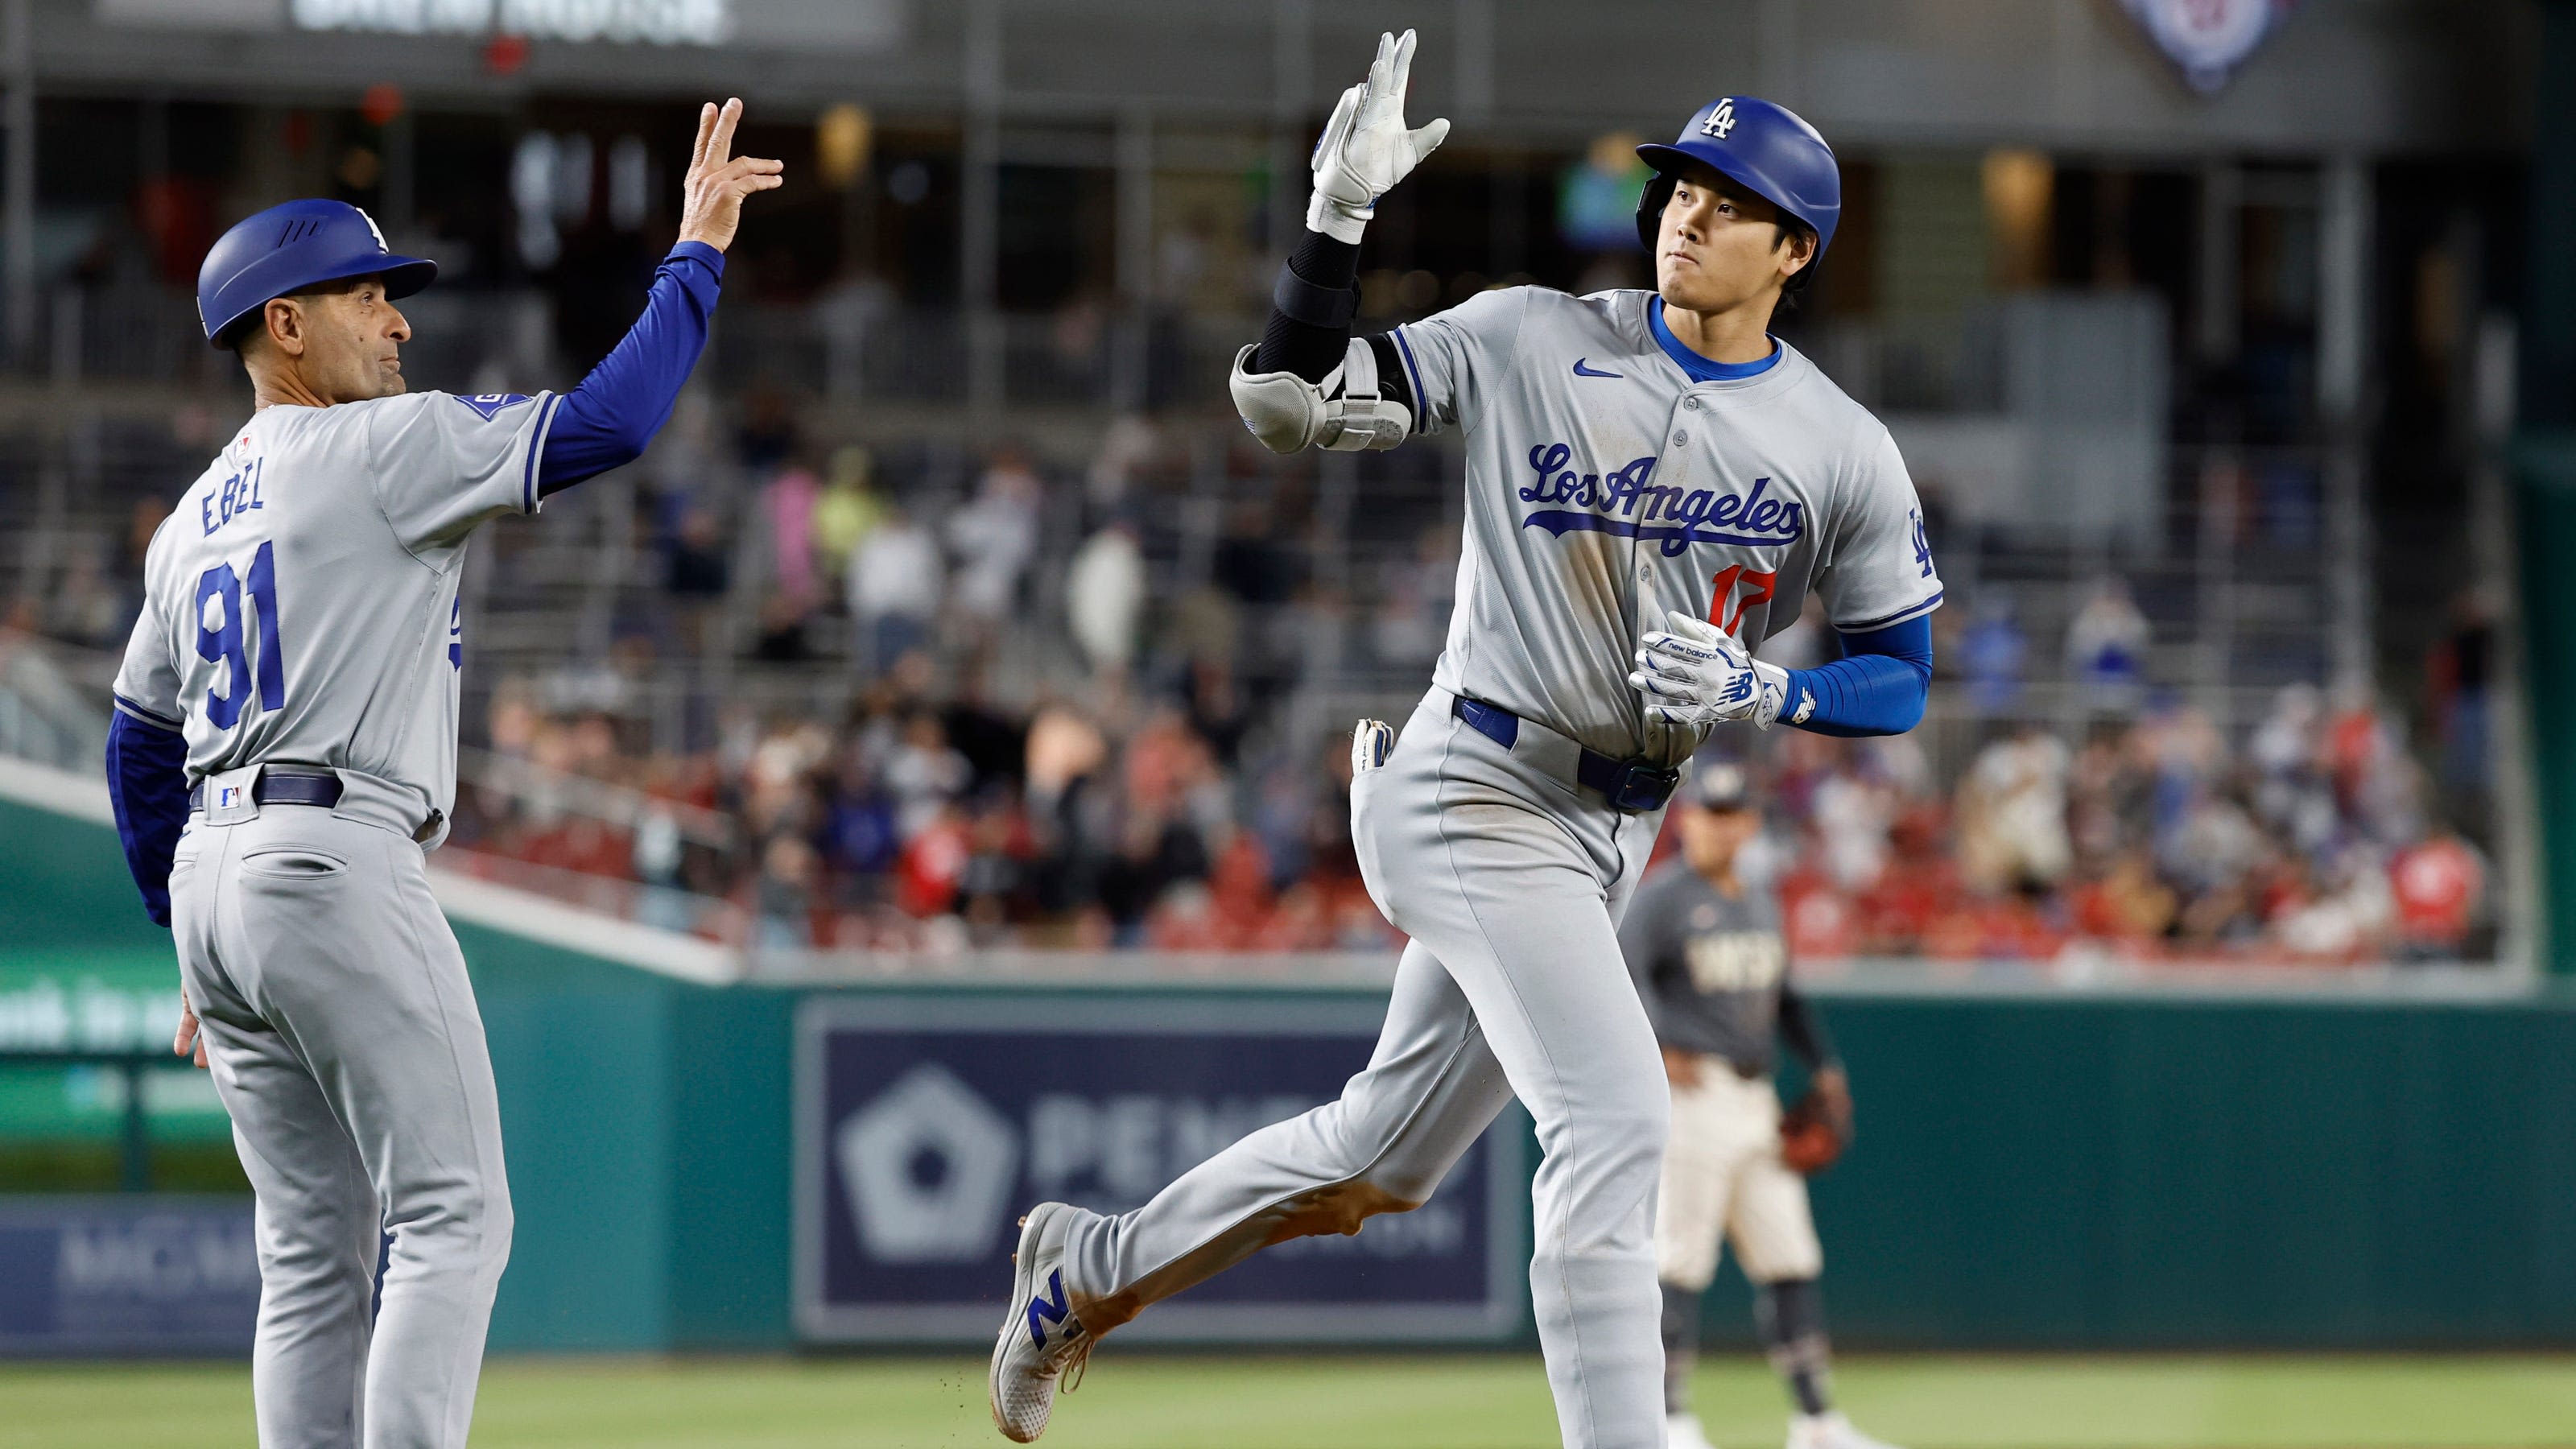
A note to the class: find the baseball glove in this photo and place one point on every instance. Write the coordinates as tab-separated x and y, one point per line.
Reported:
1813	1134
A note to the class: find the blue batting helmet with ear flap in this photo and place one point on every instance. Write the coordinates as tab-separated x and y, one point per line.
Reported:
290	247
1763	147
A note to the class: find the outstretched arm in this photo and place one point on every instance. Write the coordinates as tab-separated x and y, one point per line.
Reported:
1307	383
607	421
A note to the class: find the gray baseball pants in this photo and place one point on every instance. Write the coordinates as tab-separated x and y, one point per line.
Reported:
1510	884
344	1041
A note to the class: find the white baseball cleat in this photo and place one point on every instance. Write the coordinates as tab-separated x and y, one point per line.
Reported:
1041	1338
1682	1431
1829	1431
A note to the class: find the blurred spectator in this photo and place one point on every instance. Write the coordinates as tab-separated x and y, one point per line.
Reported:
1125	448
924	774
2012	815
1066	826
989	884
693	558
1218	711
1104	594
2438	885
1852	817
2292	793
789	501
933	862
995	536
1992	655
657	857
894	586
847	310
2106	647
847	509
2457	681
785	892
2128	906
2338	913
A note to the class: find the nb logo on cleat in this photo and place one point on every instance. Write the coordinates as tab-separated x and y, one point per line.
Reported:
1052	1310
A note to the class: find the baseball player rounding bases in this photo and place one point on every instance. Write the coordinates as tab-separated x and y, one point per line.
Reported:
1652	481
284	752
1707	952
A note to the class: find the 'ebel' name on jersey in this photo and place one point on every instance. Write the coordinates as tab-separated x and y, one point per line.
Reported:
1624	503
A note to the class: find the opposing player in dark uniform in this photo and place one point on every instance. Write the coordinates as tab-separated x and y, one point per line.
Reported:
1707	952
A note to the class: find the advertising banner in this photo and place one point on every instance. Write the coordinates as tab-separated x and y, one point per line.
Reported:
926	1127
142	1275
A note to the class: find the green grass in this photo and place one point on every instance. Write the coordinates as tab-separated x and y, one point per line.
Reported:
1136	1401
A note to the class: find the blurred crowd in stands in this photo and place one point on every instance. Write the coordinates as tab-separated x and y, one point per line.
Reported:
1151	797
2152	839
1153	783
923	821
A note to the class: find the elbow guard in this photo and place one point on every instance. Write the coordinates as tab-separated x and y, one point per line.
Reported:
1346	412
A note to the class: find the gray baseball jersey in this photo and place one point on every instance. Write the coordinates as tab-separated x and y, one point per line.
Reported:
1713	968
1606	487
300	603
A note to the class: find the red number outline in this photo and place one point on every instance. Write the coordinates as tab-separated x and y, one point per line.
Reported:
1758	590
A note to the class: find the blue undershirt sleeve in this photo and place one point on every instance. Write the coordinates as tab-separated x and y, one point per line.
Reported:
147	786
1879	685
607	421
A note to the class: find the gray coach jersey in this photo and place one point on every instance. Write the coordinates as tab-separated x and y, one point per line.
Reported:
300	603
1711	966
1605	487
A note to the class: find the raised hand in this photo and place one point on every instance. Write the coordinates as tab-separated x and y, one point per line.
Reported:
1366	149
718	180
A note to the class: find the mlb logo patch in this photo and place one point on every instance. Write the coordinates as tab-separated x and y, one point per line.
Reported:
490	404
228	797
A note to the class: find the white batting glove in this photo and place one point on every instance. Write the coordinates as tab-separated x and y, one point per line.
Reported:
1693	673
1366	149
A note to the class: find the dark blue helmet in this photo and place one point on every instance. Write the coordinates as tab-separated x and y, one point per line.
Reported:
290	247
1761	146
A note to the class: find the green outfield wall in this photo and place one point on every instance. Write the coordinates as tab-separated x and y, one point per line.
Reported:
2044	1171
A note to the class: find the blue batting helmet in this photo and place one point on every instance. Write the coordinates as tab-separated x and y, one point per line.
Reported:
290	247
1761	146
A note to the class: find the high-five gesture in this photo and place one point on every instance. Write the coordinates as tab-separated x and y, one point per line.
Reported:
711	197
1366	148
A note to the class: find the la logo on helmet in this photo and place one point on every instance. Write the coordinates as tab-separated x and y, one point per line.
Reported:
1720	120
372	229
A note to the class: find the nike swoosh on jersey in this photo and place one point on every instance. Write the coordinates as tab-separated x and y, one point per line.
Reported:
1582	371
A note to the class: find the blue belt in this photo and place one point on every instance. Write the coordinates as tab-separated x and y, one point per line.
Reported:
1635	786
279	787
